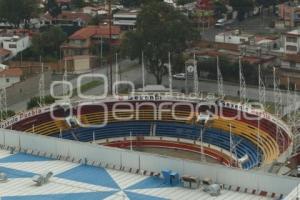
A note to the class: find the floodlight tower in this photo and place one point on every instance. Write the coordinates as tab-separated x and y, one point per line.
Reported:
242	83
3	102
277	104
42	86
220	80
196	80
170	74
65	80
261	88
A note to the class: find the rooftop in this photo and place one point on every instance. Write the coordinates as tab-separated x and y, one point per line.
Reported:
11	72
4	52
73	181
69	15
92	31
294	32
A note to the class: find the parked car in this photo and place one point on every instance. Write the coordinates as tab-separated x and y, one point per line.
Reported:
180	76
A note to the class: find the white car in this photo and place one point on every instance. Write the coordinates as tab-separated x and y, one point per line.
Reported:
180	76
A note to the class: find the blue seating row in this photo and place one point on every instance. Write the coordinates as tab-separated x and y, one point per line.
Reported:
241	145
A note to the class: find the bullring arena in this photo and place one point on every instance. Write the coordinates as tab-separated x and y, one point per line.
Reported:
154	123
232	136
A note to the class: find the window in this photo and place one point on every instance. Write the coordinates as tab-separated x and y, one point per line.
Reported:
12	46
292	64
291	39
7	80
291	48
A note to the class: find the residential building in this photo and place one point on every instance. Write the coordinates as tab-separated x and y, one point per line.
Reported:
292	42
67	18
235	37
289	13
80	47
94	11
81	63
13	41
10	76
126	19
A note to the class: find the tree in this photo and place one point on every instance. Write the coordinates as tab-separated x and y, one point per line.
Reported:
53	8
160	29
48	42
16	11
131	3
34	101
242	7
78	3
219	8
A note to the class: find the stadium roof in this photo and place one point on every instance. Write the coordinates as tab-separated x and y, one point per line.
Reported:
75	181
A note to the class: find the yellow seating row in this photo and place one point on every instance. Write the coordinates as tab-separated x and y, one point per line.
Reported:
265	142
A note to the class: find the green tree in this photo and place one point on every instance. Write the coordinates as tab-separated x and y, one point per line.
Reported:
18	11
48	43
78	3
34	101
242	7
131	3
219	8
53	8
160	29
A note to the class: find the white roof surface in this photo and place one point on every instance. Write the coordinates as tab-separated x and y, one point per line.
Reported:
75	181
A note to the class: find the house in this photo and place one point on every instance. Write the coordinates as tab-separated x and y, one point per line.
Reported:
5	55
95	10
82	44
14	41
292	42
67	18
10	76
289	13
81	63
235	37
126	19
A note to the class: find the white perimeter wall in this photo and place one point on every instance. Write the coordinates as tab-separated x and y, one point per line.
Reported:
93	152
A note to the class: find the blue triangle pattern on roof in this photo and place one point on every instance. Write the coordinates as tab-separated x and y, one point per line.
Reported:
14	173
73	196
90	175
136	196
22	157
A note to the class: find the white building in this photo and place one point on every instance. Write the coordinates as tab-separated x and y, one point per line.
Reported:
10	76
15	43
125	19
292	42
235	37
